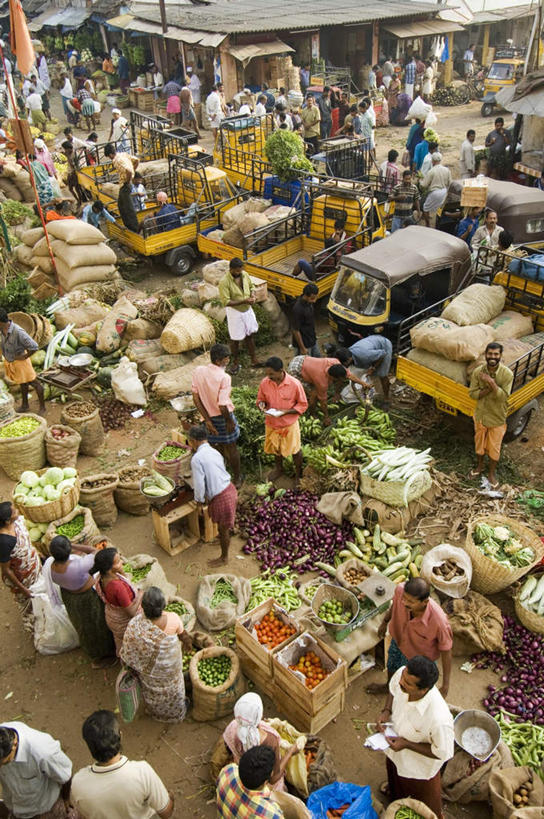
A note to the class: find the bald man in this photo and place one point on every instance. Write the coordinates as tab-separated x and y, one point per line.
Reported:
166	218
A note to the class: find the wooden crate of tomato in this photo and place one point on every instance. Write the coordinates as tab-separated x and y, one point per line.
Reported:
262	631
295	712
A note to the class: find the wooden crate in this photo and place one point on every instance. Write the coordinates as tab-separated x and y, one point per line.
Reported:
185	519
473	196
292	710
144	100
310	701
248	646
255	672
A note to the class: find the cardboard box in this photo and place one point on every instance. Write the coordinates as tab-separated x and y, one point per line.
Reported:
261	288
473	195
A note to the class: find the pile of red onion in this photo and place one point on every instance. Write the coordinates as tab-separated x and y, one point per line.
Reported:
523	667
289	531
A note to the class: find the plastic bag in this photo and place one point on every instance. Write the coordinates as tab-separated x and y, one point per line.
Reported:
126	383
333	796
53	631
129	694
419	109
459	584
431	119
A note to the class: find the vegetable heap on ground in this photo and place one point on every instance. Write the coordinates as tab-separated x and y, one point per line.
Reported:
214	671
500	544
393	556
279	585
223	592
525	740
35	490
290	531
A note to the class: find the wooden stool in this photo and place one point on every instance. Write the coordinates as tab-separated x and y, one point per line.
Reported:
162	521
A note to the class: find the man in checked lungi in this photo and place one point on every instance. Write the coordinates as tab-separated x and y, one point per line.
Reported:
211	389
212	485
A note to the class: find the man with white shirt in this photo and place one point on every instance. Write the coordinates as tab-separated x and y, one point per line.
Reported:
194	85
467	159
419	735
488	234
468	60
388	70
34	105
66	93
260	108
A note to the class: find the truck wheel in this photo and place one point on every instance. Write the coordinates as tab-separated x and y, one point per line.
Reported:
487	109
182	262
517	424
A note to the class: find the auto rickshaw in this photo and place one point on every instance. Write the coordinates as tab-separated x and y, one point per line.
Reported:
506	69
388	281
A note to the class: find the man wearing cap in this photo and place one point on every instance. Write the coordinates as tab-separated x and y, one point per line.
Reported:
17	347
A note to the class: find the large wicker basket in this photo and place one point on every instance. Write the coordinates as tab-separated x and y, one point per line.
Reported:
531	620
26	451
397	493
52	510
488	576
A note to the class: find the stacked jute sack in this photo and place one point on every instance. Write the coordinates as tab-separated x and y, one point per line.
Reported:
249	215
155	173
81	255
453	344
15	183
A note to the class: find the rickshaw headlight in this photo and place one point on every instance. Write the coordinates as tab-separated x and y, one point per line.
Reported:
535	225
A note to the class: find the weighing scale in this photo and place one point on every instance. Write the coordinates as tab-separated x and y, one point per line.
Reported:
379	590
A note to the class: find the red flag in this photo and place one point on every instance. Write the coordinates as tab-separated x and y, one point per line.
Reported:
21	43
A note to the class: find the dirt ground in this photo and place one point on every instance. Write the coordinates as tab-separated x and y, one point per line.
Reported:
56	693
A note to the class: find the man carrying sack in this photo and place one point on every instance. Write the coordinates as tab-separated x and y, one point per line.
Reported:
17	347
490	386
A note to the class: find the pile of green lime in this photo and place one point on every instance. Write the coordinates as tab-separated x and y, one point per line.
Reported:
333	611
214	671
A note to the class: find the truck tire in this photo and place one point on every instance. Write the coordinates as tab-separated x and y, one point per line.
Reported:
487	109
181	261
517	423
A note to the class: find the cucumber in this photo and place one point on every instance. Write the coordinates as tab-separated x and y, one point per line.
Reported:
355	551
376	539
72	340
393	569
395	577
414	571
391	553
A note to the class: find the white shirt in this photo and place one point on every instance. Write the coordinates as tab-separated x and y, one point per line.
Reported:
34	102
66	90
210	477
427	164
124	789
484	237
158	79
468	56
39	86
245	110
214	108
119	127
260	110
466	157
31	783
194	85
26	88
424	720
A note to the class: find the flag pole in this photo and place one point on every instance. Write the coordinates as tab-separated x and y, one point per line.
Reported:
30	170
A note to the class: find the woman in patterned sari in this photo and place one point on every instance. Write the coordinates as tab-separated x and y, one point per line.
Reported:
151	648
19	561
121	599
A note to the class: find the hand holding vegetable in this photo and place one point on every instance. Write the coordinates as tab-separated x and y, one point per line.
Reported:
383	719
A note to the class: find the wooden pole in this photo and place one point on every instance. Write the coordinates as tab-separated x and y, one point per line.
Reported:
162	10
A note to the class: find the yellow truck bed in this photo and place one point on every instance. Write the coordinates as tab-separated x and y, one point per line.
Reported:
156	243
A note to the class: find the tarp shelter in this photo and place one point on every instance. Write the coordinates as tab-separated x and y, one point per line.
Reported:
246	52
421	28
68	18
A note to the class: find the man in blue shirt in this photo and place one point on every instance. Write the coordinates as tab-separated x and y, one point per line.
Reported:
168	216
94	213
468	226
410	71
373	355
123	72
270	98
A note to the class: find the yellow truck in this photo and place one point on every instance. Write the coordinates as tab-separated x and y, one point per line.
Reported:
271	252
524	295
239	150
200	193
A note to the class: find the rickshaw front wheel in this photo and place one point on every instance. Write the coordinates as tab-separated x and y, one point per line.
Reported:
487	109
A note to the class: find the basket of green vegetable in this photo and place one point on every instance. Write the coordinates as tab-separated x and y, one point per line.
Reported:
502	550
529	603
22	444
335	606
220	599
47	494
408	808
217	682
78	525
397	476
184	610
173	460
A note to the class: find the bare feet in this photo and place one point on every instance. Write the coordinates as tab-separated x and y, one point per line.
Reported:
105	662
219	561
22	408
274	475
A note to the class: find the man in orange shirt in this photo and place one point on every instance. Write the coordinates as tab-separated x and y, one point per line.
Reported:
283	400
317	375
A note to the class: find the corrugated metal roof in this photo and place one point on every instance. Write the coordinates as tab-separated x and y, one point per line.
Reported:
38	22
129	22
422	28
500	15
68	17
239	16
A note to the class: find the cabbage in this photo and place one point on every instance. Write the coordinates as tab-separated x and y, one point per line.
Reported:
34	501
70	472
30	479
51	493
42	481
67	483
37	492
53	476
21	489
35	534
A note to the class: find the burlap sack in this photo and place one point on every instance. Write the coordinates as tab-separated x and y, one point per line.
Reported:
232	216
30	237
459	585
139	350
511	324
234	236
127	493
190	297
41	247
291	807
414	804
11	190
351	563
140	328
75	232
220	757
109	335
213	703
214	271
71	279
528	813
169	384
89	426
223	615
62	452
462	786
207	292
82	316
438	335
340	506
90	529
504	783
154	577
215	311
81	256
23	255
476	623
476	304
396	519
454	370
162	363
43	262
251	222
175	468
99	499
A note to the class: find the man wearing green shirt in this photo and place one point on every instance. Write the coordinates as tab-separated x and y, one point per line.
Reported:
311	122
237	293
490	386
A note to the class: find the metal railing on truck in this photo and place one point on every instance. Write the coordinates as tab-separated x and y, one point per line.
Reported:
522	291
343	158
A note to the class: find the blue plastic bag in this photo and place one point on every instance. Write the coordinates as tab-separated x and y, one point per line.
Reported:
342	793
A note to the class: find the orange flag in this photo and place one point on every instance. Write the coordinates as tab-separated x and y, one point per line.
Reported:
21	44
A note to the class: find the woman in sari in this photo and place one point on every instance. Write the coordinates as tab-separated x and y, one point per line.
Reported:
83	605
151	648
392	94
43	182
120	598
19	561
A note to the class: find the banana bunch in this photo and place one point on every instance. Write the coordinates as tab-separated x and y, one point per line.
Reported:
316	457
310	428
379	423
395	557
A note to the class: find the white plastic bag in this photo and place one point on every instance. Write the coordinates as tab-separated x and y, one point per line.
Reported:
53	631
418	109
126	383
459	585
431	119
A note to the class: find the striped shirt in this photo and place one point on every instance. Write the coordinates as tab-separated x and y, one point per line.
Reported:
234	801
405	198
410	73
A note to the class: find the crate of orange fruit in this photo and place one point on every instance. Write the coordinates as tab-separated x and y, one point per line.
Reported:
262	631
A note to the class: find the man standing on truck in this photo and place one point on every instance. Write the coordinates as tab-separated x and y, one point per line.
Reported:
236	291
490	386
373	355
488	234
303	322
311	118
125	165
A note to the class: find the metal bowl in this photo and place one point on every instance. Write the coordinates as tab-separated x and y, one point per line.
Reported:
328	591
156	501
474	718
80	360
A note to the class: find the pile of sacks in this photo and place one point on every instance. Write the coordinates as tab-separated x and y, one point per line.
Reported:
15	183
155	173
81	256
453	344
249	215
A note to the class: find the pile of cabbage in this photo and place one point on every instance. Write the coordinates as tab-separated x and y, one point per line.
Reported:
499	543
35	490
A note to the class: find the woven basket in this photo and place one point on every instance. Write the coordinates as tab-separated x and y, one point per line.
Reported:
175	469
534	622
26	321
52	509
488	576
24	452
397	493
187	330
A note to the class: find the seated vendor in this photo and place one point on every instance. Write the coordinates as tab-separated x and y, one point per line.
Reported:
317	375
166	218
311	271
